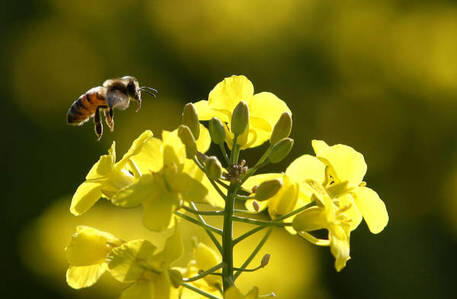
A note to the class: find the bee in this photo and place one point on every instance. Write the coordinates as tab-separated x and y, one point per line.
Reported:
115	93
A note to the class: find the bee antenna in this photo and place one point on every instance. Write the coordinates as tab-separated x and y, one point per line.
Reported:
149	90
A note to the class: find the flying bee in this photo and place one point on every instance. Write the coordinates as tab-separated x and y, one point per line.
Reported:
115	93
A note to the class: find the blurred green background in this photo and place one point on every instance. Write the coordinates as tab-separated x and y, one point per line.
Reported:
380	76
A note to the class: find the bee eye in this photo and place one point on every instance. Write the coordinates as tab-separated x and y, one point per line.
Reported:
131	88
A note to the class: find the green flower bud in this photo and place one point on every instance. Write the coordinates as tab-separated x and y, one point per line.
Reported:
213	168
267	189
175	277
189	141
282	128
190	119
240	118
280	150
216	130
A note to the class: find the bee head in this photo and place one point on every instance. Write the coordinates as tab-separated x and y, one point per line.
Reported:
133	87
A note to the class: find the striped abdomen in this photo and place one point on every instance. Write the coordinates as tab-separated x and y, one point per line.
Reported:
86	105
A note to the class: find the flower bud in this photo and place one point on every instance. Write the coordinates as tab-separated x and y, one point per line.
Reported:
216	130
190	119
267	189
175	277
280	150
189	141
213	168
282	128
256	205
265	260
240	118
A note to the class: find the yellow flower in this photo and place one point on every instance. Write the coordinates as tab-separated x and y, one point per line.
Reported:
162	189
264	109
294	193
137	262
326	215
204	259
107	177
347	167
86	255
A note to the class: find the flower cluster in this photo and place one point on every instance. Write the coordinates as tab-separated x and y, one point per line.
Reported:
169	176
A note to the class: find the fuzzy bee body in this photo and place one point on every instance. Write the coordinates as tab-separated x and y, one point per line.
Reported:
114	94
86	105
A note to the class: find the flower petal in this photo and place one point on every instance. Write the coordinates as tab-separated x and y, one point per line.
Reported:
173	247
256	180
128	262
353	213
268	107
189	188
84	276
146	153
309	220
339	246
85	197
174	151
285	200
346	163
143	289
158	212
205	112
104	165
142	190
228	93
306	167
206	258
372	208
204	140
89	246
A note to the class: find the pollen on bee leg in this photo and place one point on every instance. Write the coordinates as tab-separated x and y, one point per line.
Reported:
98	124
109	119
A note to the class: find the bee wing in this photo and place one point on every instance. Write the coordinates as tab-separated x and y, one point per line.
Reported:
117	99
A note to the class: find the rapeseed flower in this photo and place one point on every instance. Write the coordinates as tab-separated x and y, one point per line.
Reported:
87	254
346	166
264	109
140	264
165	186
107	177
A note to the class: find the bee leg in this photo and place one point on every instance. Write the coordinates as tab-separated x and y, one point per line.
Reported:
109	118
98	124
139	104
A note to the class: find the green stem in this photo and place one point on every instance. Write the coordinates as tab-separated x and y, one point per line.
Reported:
299	210
219	191
208	213
249	270
254	252
227	238
224	152
195	221
260	163
244	197
235	151
210	234
197	290
260	222
204	273
247	234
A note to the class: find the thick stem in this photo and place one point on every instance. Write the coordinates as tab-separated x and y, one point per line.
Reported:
227	239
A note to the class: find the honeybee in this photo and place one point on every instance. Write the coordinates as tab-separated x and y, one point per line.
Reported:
115	93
